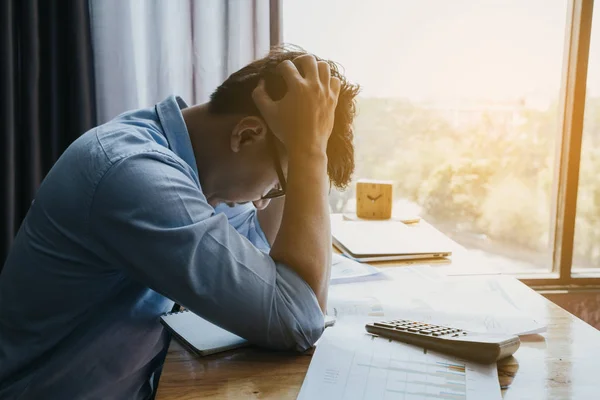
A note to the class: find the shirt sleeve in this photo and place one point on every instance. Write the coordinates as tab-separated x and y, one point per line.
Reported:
244	218
153	221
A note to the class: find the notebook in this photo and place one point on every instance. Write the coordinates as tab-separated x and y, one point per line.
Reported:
199	335
387	240
205	338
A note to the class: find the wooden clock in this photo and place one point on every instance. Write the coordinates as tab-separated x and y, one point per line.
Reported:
373	199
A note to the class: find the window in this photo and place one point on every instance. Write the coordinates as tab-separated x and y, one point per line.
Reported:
460	107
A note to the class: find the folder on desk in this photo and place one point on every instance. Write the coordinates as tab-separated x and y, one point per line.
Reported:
199	335
388	240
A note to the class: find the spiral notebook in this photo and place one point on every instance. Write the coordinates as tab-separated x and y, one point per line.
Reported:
205	338
199	335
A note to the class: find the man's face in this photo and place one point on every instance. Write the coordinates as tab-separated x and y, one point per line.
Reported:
256	180
251	174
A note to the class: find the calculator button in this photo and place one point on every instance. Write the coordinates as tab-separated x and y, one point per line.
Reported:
413	330
425	331
401	328
384	324
437	334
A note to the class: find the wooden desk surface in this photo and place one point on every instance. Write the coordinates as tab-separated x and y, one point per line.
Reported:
563	363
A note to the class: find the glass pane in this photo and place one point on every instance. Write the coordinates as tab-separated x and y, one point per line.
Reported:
586	246
458	108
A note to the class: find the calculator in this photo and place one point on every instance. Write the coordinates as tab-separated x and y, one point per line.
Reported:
484	348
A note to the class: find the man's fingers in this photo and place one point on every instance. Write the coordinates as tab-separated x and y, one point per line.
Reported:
324	73
290	73
261	98
308	63
335	86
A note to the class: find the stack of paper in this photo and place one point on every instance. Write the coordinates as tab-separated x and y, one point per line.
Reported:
421	294
345	270
349	364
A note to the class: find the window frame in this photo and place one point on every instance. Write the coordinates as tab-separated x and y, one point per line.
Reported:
568	148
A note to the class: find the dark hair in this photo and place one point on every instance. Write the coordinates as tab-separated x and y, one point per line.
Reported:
235	96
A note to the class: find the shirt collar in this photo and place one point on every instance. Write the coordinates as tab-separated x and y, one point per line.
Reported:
171	119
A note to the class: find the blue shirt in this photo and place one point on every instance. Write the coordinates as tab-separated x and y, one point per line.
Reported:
120	229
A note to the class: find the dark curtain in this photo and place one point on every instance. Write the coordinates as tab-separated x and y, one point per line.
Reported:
47	92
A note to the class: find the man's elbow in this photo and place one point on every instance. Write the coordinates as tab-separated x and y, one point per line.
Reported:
307	333
296	321
297	331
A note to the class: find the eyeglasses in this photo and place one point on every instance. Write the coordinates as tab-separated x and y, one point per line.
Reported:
278	191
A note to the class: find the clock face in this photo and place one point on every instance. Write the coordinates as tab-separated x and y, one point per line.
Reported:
374	200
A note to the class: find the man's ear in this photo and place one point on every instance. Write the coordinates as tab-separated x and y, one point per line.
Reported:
249	130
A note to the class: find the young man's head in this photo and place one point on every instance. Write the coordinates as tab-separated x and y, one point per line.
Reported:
252	155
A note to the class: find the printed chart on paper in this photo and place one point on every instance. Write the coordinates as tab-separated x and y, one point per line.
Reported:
367	367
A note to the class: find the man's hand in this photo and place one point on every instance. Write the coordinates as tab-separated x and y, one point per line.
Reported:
303	118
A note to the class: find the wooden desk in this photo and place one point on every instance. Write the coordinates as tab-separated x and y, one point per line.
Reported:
563	363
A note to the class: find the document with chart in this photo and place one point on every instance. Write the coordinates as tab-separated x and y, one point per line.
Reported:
349	364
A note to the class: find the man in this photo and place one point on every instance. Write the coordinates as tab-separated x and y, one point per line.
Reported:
124	225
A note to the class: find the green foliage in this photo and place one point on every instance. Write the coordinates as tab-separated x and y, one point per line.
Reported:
487	172
515	212
454	191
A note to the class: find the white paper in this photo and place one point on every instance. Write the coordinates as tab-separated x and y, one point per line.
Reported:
345	270
351	365
421	294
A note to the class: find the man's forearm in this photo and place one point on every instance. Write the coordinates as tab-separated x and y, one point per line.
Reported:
270	218
303	120
304	238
